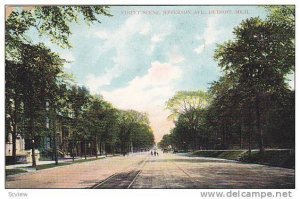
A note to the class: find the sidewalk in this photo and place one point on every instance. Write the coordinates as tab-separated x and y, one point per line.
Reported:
65	160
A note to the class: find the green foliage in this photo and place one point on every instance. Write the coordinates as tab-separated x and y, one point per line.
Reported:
51	21
184	101
13	171
38	90
280	158
251	105
187	108
134	127
259	59
165	142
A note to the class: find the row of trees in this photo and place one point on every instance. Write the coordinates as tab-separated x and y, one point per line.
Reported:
251	105
38	92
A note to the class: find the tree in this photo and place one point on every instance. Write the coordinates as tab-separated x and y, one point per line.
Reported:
165	142
226	110
259	58
78	98
101	117
251	101
13	103
130	122
51	21
37	61
185	106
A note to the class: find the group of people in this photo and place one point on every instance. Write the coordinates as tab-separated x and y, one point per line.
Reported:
155	153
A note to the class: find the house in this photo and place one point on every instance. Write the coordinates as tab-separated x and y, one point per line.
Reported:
22	155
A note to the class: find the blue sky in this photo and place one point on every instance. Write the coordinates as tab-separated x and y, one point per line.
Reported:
139	60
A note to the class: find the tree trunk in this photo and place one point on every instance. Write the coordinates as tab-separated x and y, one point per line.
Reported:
77	149
112	149
84	149
195	140
96	146
100	147
14	138
241	144
33	153
104	149
223	137
55	149
14	131
249	142
259	130
55	141
31	126
73	151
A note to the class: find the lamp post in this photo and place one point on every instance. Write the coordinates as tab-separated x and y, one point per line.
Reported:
33	154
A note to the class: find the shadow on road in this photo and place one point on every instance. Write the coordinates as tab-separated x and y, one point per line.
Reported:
119	181
196	160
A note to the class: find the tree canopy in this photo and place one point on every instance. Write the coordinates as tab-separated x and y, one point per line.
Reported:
251	97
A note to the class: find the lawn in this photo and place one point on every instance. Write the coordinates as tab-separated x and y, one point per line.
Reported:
52	165
13	171
279	158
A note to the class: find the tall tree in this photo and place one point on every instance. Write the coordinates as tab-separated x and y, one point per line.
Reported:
259	57
50	21
186	105
78	98
37	61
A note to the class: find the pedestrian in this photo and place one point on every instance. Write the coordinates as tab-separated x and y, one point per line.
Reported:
151	153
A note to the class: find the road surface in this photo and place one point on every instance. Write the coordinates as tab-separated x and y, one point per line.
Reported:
166	171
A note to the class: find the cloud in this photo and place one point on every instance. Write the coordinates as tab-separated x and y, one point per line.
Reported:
175	56
101	34
95	82
145	29
146	93
200	49
210	34
149	93
156	39
69	57
120	40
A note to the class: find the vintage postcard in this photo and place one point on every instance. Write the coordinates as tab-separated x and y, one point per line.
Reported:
150	97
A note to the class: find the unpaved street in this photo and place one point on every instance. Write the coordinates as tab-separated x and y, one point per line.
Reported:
165	171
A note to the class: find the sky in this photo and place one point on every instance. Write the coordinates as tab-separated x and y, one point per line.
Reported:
138	58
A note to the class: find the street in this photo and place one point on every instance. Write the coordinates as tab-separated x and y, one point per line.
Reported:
163	171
